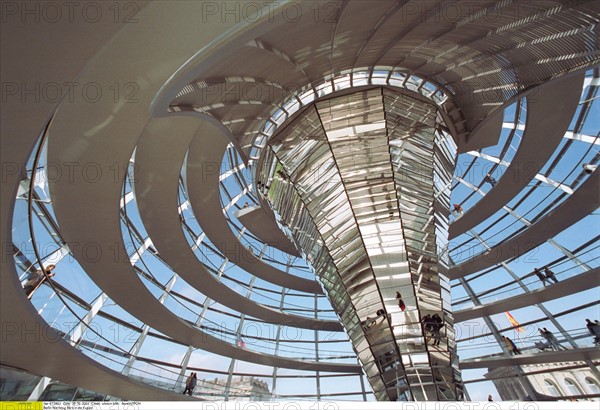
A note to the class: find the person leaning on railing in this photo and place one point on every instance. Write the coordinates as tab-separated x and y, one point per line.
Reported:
594	330
36	278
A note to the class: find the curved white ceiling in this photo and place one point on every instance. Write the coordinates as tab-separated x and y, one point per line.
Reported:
482	59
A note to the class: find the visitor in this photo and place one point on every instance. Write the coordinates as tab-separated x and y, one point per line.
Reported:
514	346
401	304
540	276
36	278
426	323
490	180
551	340
550	275
193	384
594	329
436	333
188	384
435	327
369	322
509	345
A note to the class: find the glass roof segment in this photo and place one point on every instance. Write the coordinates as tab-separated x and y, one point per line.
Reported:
356	77
557	180
569	254
87	318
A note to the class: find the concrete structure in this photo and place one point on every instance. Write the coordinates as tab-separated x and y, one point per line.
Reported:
132	133
239	389
556	381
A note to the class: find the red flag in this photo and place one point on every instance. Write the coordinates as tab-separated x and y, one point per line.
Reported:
513	322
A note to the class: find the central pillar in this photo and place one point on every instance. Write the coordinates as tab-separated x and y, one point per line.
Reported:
362	182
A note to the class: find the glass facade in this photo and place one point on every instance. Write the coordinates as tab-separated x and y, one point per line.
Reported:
355	145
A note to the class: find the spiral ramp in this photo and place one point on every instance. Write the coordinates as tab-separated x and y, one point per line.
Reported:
133	191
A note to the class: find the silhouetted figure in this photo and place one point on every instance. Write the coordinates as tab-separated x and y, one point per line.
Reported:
542	346
594	329
193	384
550	275
490	180
188	384
436	333
426	323
508	345
369	322
458	209
511	346
540	276
379	313
435	327
401	304
514	346
36	278
551	340
490	398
